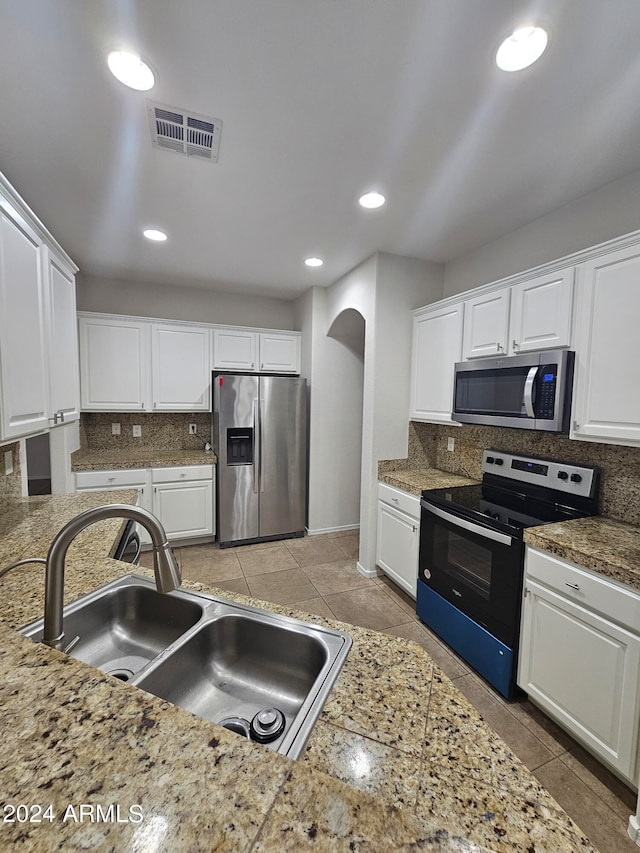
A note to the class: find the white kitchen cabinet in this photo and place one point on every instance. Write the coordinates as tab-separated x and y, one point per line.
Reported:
111	481
580	656
540	316
486	324
279	352
60	298
23	376
246	350
606	402
437	346
235	349
114	364
398	536
183	500
181	368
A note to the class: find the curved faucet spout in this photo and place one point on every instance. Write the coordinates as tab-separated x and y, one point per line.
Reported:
165	567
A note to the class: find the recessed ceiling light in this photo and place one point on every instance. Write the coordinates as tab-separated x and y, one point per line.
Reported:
314	262
371	200
130	70
521	48
154	234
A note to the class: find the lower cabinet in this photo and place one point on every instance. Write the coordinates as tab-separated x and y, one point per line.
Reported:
183	500
398	536
181	496
580	657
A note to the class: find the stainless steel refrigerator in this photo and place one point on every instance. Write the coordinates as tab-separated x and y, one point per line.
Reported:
260	438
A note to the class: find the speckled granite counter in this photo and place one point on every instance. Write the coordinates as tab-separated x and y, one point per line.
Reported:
423	769
415	480
109	460
610	548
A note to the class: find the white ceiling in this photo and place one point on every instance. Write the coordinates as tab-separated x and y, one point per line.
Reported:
321	100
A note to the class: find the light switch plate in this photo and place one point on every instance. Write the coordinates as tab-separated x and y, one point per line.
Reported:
137	431
115	429
451	443
8	462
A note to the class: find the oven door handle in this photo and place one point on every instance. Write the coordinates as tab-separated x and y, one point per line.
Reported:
528	391
495	535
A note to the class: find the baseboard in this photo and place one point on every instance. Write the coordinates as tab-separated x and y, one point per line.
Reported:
324	530
368	573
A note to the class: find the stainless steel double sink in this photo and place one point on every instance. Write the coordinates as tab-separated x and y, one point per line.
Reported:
210	656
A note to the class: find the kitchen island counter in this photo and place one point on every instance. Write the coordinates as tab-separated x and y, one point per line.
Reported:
399	760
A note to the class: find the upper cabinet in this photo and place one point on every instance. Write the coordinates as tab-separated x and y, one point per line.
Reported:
38	356
253	351
181	368
531	315
114	364
437	345
606	402
541	312
486	324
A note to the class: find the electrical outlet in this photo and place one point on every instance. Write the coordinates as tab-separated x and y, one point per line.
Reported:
8	462
115	429
137	431
451	443
193	429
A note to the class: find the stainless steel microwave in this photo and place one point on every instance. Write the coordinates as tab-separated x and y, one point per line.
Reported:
531	391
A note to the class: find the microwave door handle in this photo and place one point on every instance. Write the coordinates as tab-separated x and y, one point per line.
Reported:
495	535
528	391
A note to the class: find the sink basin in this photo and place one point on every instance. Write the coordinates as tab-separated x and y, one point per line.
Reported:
216	659
121	630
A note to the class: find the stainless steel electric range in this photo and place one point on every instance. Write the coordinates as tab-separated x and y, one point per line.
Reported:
472	554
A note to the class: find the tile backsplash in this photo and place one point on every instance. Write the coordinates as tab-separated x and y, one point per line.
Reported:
11	484
159	431
619	496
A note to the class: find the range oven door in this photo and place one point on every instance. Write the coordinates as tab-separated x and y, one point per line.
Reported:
475	568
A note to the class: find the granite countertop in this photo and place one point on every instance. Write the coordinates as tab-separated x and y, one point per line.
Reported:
415	480
110	460
608	547
399	760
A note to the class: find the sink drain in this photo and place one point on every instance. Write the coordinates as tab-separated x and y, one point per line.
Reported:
122	674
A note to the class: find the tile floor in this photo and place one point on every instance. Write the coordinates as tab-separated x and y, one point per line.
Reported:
319	575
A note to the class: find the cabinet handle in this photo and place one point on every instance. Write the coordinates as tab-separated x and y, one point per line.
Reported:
499	346
576	425
262	366
572	585
515	344
395	500
110	479
414	528
61	413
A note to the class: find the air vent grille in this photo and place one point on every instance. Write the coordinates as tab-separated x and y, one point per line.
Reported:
184	132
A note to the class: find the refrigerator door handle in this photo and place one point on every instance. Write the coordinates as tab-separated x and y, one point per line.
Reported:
262	473
256	427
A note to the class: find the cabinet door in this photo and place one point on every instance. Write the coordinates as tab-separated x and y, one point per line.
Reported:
584	672
486	321
437	346
181	368
114	365
279	353
541	312
22	339
64	386
397	547
235	349
185	509
606	405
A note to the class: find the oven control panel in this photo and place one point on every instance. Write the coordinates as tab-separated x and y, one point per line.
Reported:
564	477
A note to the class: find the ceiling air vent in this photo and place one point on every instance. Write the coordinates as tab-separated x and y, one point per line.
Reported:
184	132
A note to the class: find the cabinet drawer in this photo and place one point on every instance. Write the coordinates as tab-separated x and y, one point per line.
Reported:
96	479
403	501
182	473
586	588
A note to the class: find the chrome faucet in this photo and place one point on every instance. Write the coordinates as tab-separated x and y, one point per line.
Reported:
165	567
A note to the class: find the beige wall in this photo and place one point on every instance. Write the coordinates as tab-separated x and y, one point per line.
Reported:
174	302
609	212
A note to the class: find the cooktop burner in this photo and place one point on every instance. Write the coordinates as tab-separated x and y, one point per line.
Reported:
518	492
